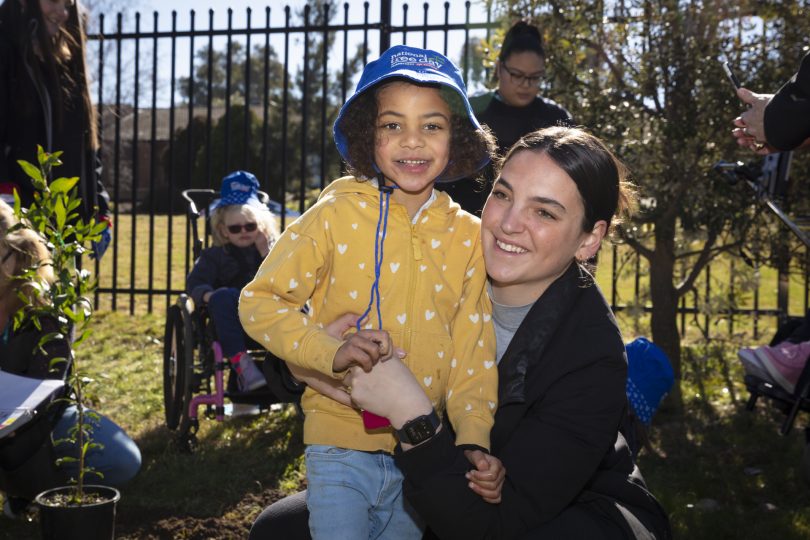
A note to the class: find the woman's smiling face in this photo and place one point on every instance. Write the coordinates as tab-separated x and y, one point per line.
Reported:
55	14
531	228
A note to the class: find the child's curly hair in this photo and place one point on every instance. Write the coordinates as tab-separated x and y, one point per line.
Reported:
467	144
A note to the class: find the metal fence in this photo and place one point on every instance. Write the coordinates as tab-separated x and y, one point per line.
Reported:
262	95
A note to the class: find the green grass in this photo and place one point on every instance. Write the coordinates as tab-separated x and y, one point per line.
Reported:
238	469
243	464
707	453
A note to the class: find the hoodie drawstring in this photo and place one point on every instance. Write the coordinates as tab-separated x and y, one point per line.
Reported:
379	240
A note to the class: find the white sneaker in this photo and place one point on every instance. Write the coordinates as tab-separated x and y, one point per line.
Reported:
242	409
249	377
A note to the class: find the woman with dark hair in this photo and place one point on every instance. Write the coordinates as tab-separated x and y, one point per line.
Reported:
561	367
514	108
45	101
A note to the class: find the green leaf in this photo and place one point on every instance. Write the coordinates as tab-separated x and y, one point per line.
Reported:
63	185
33	172
61	214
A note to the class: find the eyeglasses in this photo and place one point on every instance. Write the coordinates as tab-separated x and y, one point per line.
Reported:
236	229
519	78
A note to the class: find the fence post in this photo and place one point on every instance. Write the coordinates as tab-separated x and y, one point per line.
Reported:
385	25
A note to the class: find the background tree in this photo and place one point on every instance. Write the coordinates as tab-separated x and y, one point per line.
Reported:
321	98
645	75
288	161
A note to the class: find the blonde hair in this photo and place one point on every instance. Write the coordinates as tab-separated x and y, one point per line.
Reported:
264	219
29	252
7	218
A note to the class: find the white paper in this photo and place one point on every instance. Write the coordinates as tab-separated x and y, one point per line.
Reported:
20	397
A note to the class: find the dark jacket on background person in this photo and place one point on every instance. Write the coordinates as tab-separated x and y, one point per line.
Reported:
561	402
27	120
27	461
787	115
508	124
20	355
222	266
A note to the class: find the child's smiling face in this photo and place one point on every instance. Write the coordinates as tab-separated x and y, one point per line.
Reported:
412	140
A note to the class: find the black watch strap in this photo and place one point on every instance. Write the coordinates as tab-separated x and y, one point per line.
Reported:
419	429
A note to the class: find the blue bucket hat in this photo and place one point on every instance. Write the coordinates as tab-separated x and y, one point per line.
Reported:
649	377
422	66
239	187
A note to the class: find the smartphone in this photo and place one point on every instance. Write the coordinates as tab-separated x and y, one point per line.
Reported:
731	77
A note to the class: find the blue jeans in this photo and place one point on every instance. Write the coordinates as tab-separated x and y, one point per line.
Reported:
223	307
355	495
119	461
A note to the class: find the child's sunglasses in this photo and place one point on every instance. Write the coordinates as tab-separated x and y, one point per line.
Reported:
236	229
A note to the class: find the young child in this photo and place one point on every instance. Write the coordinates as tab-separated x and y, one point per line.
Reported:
385	244
243	230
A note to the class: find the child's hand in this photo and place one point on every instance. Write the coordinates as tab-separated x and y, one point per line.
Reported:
338	328
488	477
364	349
261	243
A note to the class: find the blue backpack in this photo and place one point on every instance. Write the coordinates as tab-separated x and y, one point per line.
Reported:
649	378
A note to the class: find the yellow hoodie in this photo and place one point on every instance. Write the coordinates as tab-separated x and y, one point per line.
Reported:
433	304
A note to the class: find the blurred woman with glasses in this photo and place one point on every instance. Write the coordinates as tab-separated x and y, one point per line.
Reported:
514	108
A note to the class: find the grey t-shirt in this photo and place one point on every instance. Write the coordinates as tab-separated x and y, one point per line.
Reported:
507	319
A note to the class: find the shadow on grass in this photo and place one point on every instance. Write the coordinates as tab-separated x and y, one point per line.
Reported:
722	471
233	459
215	492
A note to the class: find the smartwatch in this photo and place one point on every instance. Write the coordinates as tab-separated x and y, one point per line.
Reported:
419	429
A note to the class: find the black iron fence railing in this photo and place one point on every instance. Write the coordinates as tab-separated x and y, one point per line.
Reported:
185	101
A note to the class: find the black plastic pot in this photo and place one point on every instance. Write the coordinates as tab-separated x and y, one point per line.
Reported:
94	521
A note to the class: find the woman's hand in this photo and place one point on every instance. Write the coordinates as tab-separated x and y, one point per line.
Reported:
389	390
488	477
323	384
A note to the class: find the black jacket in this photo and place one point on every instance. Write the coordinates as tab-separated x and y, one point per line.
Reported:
562	400
27	120
508	124
20	355
222	266
787	115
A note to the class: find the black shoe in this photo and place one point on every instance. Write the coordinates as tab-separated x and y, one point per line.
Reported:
16	507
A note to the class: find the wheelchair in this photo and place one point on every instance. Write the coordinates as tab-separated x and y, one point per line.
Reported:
193	364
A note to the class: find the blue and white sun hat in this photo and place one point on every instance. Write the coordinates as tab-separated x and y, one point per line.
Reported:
422	66
649	377
239	187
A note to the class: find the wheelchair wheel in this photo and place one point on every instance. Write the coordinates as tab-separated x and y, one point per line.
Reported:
178	352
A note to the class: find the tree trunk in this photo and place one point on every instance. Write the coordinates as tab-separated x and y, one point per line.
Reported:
664	296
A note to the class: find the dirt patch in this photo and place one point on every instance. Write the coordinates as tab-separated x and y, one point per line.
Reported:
235	523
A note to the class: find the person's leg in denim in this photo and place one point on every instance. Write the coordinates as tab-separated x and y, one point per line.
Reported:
223	308
353	494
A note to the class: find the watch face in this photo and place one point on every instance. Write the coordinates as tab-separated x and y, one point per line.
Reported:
419	431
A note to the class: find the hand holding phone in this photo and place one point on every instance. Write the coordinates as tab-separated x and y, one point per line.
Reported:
731	77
